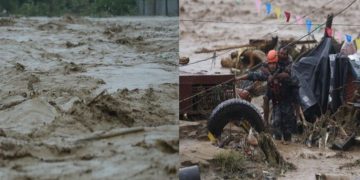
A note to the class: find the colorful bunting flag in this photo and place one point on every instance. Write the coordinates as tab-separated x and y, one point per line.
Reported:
329	32
268	8
277	12
339	36
348	38
258	5
357	41
299	20
287	15
308	25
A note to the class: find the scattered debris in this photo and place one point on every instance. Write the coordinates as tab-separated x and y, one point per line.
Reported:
123	41
322	176
103	107
2	133
73	68
349	141
113	133
113	29
51	26
11	104
129	41
272	155
7	21
354	164
69	44
184	60
244	59
32	79
337	131
19	67
167	147
69	19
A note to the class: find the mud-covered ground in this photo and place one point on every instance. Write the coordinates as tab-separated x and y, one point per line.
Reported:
196	149
70	86
198	35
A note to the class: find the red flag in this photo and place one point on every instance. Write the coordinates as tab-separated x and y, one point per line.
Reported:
287	15
329	32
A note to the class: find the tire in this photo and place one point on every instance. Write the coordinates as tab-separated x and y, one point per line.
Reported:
234	109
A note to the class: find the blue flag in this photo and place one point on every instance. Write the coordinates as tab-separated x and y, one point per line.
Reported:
308	25
268	8
348	38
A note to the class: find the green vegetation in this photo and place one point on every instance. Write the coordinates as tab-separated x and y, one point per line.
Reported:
96	8
231	162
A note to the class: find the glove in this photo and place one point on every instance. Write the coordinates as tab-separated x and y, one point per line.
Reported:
283	75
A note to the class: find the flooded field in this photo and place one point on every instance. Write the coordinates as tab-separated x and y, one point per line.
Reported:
88	98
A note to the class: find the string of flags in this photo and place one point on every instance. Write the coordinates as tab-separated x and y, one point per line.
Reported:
287	15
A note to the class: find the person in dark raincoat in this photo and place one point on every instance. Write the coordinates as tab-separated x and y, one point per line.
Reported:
280	92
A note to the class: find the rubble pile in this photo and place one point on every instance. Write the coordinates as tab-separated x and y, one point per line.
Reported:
333	130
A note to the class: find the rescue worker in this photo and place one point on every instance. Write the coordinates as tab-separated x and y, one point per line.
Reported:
283	120
285	64
284	58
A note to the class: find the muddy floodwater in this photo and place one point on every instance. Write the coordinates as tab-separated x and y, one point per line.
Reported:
71	88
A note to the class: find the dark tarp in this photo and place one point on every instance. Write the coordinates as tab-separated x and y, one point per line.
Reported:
313	72
341	67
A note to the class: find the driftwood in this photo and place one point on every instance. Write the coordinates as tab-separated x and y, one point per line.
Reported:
253	44
222	48
12	104
184	60
273	156
104	135
96	97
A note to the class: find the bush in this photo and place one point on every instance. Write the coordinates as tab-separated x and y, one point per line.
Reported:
231	162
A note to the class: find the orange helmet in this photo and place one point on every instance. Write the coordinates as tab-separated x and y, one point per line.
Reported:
272	57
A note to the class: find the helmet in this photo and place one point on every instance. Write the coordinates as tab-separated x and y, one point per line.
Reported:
272	57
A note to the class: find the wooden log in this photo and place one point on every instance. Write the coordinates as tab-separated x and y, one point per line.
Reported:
222	48
96	97
253	44
104	135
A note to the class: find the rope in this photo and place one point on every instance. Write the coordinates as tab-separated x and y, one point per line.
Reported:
209	58
190	97
206	59
201	92
255	23
311	12
338	13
